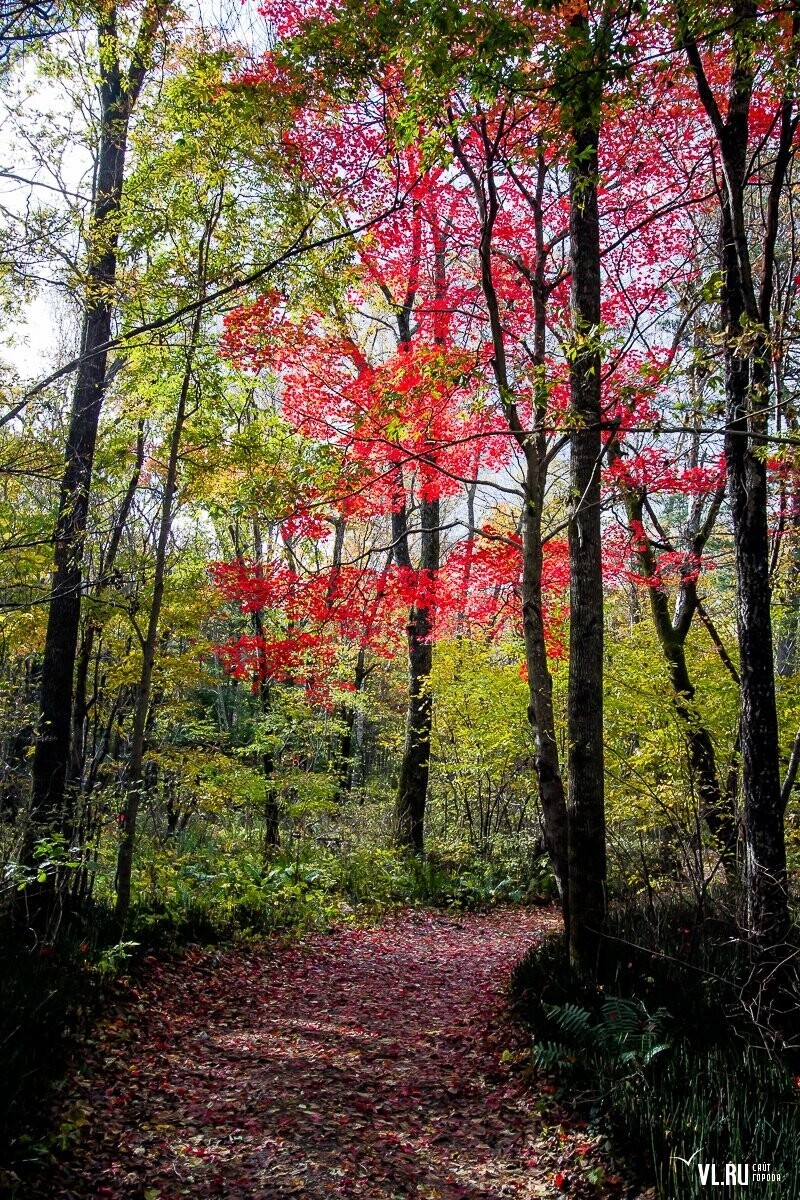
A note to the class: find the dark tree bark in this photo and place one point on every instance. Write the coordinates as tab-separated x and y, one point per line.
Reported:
585	782
533	447
716	804
765	854
746	314
412	787
52	811
540	682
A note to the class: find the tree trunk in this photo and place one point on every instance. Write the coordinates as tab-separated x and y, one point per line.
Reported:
135	775
532	445
272	825
716	806
346	767
585	787
52	810
540	682
52	747
767	915
747	319
540	687
412	788
80	713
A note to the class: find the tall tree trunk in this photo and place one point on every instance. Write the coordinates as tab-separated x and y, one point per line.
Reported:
88	822
540	683
716	805
412	787
134	772
540	689
767	915
80	712
585	786
532	445
349	712
746	313
52	811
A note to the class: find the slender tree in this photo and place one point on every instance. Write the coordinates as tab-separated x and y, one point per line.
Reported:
747	250
672	629
149	643
534	448
52	810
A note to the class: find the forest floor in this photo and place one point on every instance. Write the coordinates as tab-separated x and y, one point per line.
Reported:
365	1062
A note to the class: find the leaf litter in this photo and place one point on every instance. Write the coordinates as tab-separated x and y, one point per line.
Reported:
379	1063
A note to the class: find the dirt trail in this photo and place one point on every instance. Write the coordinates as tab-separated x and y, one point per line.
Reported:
362	1063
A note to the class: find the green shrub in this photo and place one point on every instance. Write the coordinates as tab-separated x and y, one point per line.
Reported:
220	882
456	878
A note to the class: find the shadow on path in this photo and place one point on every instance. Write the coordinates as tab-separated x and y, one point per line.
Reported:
362	1063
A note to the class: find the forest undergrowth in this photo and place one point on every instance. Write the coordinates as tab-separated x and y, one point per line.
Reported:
676	1050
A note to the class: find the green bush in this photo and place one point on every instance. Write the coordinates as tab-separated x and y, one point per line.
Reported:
448	877
204	889
221	883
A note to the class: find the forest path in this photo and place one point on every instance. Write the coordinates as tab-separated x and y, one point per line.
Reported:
361	1063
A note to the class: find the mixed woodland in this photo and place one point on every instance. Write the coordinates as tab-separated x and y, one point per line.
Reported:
400	508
